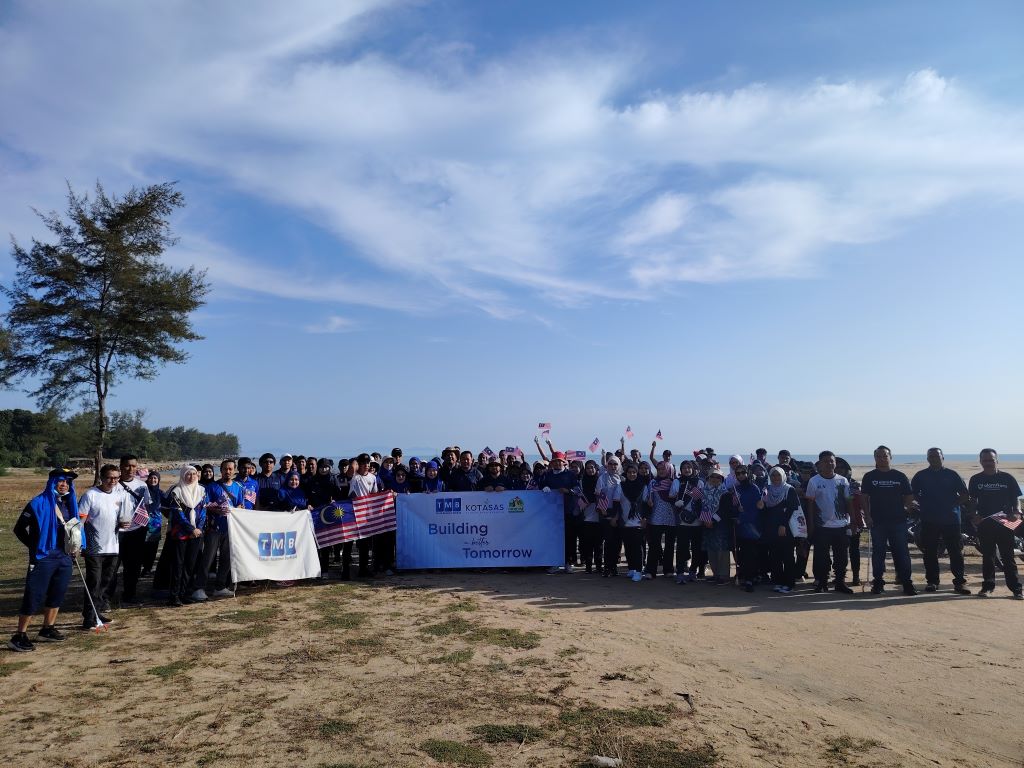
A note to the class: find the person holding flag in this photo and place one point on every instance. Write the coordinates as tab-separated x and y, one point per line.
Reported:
41	528
560	479
223	494
132	539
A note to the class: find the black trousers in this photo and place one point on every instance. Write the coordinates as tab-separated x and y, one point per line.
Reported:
149	550
363	547
162	574
99	571
855	555
572	534
590	545
656	553
612	546
633	538
830	541
932	534
992	538
384	551
748	559
217	545
183	566
781	554
688	548
133	550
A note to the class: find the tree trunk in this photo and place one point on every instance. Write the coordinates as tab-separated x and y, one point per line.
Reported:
101	433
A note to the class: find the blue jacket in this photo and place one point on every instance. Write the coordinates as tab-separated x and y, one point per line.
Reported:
748	522
37	527
217	493
181	528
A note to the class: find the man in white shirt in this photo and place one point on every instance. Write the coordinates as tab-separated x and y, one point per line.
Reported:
829	504
131	544
363	483
101	509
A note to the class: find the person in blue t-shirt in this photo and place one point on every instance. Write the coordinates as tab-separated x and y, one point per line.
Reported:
223	494
940	492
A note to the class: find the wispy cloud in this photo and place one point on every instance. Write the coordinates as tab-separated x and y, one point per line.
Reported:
543	177
332	324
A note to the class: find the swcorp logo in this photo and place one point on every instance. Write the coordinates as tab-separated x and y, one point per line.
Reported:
276	545
448	506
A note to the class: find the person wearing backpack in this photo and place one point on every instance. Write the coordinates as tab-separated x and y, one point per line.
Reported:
50	528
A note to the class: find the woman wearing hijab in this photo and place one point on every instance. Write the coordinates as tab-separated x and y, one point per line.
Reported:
154	529
590	528
291	496
661	495
627	508
607	485
186	504
717	526
781	500
735	461
432	482
689	530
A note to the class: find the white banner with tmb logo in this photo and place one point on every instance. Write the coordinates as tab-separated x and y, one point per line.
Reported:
279	546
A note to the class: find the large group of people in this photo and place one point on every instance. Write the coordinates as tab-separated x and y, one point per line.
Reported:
692	521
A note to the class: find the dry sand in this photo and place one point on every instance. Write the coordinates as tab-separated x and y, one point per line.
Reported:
368	674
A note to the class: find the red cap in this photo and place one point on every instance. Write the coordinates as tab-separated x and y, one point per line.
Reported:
558	455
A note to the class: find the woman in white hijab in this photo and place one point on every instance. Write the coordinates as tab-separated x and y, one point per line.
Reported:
607	485
187	501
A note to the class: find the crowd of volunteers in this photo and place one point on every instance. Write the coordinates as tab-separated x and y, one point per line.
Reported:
752	522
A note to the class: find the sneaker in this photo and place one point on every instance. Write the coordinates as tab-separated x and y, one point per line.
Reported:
106	619
225	592
748	586
1018	595
777	588
569	568
960	589
637	576
700	576
19	642
680	579
646	577
909	590
877	589
630	573
855	582
199	596
554	569
931	588
820	587
784	590
986	591
841	587
175	601
51	635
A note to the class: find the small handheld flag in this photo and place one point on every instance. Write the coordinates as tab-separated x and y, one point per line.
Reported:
629	432
545	428
658	436
594	445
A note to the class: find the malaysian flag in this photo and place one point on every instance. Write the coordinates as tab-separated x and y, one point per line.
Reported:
1005	521
141	517
576	456
658	436
489	453
545	428
359	518
695	493
594	445
602	502
629	432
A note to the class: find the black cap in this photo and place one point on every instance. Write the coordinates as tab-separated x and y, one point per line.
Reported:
62	472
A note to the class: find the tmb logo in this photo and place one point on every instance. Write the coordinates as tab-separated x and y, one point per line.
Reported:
276	545
448	506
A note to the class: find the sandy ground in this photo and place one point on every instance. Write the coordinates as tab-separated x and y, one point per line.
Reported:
390	672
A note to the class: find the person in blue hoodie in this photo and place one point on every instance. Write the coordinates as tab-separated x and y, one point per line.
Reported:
222	495
41	528
748	528
156	521
186	506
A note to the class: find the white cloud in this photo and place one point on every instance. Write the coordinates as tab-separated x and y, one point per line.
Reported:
496	183
332	324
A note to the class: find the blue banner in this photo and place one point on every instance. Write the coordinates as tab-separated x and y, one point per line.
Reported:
513	529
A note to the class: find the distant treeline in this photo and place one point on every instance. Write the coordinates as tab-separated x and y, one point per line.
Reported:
29	439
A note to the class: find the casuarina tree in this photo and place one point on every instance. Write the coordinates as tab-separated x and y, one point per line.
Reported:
97	304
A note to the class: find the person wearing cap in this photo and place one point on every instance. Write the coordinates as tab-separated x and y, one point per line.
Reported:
493	481
287	465
268	482
560	479
40	527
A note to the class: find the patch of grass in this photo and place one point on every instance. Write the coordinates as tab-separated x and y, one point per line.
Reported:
839	748
209	758
167	671
589	717
339	620
253	614
455	752
221	637
530	661
455	625
572	650
506	637
609	676
330	729
517	733
666	754
455	657
13	666
462	606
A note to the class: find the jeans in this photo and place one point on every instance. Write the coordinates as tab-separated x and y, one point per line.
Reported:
831	549
931	535
993	537
656	554
891	535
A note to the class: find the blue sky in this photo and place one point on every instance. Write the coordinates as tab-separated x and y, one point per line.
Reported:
745	224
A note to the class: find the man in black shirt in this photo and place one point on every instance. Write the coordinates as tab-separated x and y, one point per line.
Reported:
994	498
465	476
940	492
885	496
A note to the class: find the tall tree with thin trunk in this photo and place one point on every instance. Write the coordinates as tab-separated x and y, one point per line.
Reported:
98	305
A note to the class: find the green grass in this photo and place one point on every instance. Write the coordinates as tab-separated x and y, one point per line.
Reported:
333	619
589	717
455	752
517	733
455	657
455	625
252	614
13	666
170	670
572	650
506	638
462	606
666	754
331	729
